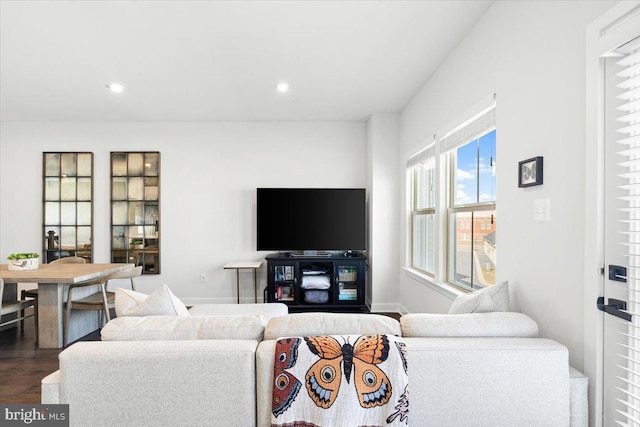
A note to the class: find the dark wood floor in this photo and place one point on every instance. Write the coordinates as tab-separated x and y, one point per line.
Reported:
23	364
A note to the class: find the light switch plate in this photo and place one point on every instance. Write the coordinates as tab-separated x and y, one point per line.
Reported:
542	210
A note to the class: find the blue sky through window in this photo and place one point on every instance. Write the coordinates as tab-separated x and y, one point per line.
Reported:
476	170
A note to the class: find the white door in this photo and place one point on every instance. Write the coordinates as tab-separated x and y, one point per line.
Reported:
621	275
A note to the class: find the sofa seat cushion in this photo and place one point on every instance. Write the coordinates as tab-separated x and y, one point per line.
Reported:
308	324
50	389
267	310
153	328
498	324
579	398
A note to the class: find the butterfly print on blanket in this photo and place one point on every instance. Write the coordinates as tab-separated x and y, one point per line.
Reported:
323	378
285	385
402	348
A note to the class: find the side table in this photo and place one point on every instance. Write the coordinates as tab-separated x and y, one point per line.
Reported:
245	265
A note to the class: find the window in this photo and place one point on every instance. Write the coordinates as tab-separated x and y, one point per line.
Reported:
423	216
453	202
472	173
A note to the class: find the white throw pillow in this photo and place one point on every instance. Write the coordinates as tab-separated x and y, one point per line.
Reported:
490	299
161	302
127	299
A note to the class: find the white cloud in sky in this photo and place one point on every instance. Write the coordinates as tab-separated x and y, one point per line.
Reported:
485	168
484	197
461	196
462	174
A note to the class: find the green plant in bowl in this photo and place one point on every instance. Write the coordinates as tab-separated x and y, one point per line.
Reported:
24	261
23	255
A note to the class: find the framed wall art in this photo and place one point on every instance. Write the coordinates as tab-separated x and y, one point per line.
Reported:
530	172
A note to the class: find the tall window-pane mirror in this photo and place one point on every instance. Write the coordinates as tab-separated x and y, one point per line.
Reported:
67	193
135	209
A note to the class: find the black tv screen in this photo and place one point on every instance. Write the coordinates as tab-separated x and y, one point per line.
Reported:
299	219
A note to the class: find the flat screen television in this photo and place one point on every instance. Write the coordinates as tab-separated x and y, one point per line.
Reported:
311	219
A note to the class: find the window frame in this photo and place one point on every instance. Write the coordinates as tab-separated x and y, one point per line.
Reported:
453	208
415	211
473	125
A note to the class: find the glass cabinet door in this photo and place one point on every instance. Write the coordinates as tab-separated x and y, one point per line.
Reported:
135	209
67	205
350	280
284	279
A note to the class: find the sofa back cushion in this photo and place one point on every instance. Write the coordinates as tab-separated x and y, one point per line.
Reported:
500	324
153	328
496	382
160	383
308	324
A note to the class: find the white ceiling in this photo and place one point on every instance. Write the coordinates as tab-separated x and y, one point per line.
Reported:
220	60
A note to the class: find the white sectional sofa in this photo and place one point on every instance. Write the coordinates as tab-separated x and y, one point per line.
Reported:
485	369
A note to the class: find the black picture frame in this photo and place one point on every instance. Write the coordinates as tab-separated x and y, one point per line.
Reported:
530	172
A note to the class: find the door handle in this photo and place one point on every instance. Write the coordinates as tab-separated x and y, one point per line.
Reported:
614	308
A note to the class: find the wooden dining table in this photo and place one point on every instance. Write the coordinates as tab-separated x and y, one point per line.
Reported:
53	281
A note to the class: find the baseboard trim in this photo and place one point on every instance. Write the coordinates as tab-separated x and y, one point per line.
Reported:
385	308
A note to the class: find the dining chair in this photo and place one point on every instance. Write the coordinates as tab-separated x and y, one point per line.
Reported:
33	293
128	274
101	301
18	306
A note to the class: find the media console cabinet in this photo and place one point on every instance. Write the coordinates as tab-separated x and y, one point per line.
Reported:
332	282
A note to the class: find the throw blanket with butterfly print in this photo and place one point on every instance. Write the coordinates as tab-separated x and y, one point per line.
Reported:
340	380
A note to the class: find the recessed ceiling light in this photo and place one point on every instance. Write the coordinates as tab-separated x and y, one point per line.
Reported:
282	87
115	87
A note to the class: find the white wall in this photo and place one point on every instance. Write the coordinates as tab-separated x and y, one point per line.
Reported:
383	135
209	174
532	55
